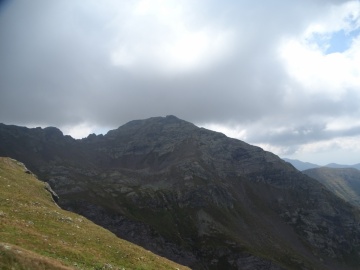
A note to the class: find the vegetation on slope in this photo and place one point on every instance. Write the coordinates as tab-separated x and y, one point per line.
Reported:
36	234
343	182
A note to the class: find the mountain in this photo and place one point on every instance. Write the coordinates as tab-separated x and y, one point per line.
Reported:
193	195
344	182
36	234
334	165
300	165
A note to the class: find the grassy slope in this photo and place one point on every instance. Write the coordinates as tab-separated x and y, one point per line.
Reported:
36	234
343	182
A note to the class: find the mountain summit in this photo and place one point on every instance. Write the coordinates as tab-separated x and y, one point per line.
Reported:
194	195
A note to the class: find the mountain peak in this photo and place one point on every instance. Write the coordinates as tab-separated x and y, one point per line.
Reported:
153	125
195	196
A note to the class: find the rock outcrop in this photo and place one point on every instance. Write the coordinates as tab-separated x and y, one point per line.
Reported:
194	195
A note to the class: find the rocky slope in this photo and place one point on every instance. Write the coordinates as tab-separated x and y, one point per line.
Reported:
36	234
344	182
194	195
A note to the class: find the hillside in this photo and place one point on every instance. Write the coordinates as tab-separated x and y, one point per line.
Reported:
344	182
193	195
339	166
36	234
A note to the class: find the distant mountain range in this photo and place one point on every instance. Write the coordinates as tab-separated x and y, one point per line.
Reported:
192	195
301	166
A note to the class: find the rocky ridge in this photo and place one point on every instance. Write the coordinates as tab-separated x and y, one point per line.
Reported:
194	195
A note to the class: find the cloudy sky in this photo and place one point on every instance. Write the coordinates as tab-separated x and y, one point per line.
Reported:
283	75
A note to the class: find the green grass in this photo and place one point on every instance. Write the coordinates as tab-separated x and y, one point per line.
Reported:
16	258
36	234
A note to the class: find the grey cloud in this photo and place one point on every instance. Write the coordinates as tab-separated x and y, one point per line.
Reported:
56	68
306	121
309	133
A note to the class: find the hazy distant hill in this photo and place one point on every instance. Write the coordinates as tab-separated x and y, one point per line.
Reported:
36	234
334	165
300	165
344	182
194	195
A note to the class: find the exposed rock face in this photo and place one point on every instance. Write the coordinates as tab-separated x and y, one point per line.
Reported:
54	196
194	195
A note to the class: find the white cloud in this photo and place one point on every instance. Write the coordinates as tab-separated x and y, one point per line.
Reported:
339	150
164	35
232	131
335	18
342	123
316	71
82	130
331	74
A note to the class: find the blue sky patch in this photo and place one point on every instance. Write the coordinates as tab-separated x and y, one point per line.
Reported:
341	41
336	42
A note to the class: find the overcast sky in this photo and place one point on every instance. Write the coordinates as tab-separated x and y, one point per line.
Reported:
283	75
